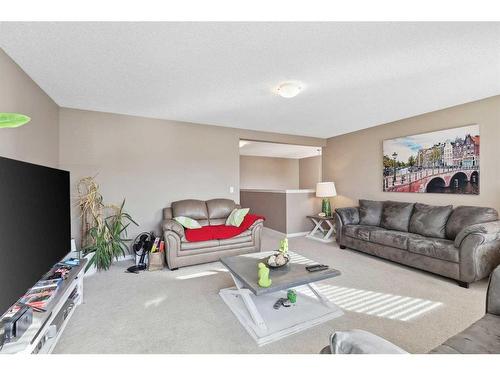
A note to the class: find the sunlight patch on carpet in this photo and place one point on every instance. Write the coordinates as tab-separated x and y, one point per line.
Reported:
195	275
377	304
154	302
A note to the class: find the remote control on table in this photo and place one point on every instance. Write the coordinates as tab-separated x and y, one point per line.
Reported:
317	267
282	302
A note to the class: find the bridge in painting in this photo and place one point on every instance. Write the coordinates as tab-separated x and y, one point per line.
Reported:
426	179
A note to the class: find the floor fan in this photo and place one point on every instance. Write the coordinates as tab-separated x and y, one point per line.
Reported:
141	246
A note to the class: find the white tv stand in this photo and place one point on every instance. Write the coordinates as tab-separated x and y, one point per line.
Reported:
44	333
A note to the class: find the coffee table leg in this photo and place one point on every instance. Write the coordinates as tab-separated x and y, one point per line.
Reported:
247	300
325	301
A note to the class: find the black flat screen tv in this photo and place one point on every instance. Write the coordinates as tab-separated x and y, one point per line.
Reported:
35	225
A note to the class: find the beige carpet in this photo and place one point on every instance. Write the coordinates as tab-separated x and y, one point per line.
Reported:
181	311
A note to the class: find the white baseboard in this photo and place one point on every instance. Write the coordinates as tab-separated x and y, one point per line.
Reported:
289	235
92	270
272	231
330	240
298	234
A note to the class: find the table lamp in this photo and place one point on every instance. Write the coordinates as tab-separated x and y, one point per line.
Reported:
326	190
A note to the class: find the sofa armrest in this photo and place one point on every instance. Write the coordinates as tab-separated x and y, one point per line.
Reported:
344	216
348	215
357	341
256	223
256	229
174	226
479	249
490	231
173	233
493	295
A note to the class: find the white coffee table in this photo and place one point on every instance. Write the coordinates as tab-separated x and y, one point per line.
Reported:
253	305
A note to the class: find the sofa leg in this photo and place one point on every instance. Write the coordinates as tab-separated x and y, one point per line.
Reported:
463	284
174	269
342	247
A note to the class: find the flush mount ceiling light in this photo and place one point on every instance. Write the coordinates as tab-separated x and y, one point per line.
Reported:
12	120
289	89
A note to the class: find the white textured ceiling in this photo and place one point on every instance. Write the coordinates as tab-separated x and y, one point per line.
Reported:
356	75
277	150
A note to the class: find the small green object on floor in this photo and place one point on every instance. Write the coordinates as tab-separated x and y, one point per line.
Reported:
292	296
263	274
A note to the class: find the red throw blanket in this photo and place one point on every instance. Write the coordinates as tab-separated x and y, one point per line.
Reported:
220	232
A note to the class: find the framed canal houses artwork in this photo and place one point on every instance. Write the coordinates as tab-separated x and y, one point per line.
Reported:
445	161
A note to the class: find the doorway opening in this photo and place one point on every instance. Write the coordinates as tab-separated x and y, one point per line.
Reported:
278	166
278	181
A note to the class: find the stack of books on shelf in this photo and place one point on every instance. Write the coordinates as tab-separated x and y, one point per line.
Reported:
39	296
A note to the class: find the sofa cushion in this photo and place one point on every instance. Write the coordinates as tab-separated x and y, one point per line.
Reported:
246	236
361	232
391	238
218	221
430	221
482	337
396	215
434	248
187	222
463	216
199	244
348	215
193	208
236	217
370	212
219	208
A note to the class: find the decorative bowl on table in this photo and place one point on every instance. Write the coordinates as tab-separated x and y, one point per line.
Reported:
278	260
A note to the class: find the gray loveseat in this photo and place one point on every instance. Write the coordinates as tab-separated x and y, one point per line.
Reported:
461	243
482	337
181	253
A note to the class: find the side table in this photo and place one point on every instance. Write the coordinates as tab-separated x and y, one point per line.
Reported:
320	233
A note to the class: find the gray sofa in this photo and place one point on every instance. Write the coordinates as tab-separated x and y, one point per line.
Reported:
482	337
181	253
462	243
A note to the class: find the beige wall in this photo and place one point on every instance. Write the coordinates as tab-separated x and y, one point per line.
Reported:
309	172
259	172
354	160
271	205
285	212
298	207
38	141
154	162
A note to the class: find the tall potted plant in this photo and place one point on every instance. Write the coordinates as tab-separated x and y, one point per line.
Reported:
90	203
102	237
109	239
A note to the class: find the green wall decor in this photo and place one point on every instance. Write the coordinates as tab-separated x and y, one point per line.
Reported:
13	120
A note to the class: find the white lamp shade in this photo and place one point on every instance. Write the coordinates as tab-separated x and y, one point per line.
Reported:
325	189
